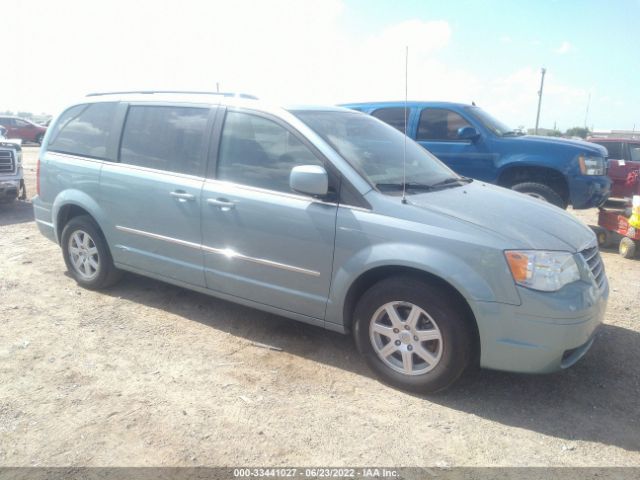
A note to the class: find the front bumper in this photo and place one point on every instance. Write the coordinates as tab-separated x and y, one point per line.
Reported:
546	333
9	189
588	191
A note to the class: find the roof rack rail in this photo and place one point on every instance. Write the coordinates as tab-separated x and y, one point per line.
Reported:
150	92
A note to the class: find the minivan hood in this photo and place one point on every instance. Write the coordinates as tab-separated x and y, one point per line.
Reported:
527	222
582	145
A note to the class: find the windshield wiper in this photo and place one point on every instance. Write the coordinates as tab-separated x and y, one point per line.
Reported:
512	133
451	181
400	186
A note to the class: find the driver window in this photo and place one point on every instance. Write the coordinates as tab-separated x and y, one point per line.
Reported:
260	153
440	124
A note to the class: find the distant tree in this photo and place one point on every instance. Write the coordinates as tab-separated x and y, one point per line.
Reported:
25	114
554	133
581	132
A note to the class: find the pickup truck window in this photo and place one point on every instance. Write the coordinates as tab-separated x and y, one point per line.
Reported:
165	138
634	150
260	153
394	116
439	124
615	149
84	130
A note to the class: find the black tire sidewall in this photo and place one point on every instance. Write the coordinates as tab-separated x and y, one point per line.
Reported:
439	304
86	224
548	193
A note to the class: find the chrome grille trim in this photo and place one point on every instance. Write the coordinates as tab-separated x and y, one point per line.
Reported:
7	161
596	266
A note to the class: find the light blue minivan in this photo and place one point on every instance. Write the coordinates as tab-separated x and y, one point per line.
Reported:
322	215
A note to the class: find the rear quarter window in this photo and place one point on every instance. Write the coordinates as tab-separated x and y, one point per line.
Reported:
84	130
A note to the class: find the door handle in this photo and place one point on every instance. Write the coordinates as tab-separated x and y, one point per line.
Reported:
222	203
182	196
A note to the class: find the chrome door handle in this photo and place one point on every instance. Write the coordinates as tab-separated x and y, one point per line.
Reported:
221	203
182	196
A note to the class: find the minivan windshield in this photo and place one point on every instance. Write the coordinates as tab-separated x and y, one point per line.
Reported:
375	150
496	126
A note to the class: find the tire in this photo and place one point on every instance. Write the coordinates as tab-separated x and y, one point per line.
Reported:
627	247
87	255
439	319
39	138
540	191
603	236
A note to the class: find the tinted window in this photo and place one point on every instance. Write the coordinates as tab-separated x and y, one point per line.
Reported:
439	124
21	123
614	149
6	121
84	130
165	138
634	148
258	152
394	116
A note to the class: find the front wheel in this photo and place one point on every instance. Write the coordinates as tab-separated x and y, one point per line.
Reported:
39	138
627	247
413	334
541	192
87	255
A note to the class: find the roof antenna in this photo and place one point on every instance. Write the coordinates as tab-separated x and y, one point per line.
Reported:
404	150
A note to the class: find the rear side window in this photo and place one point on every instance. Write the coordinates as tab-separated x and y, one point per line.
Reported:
614	149
394	116
84	130
259	152
165	138
7	122
440	124
634	149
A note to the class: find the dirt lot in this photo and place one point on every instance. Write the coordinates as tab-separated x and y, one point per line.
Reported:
151	374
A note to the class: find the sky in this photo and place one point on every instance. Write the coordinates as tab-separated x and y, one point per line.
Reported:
333	51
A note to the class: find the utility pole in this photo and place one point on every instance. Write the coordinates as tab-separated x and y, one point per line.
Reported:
543	71
586	114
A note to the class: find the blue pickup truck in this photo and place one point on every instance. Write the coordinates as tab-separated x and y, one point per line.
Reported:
473	143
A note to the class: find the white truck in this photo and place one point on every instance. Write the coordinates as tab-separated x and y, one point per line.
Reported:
11	174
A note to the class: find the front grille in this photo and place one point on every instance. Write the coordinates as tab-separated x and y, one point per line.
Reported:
7	161
592	257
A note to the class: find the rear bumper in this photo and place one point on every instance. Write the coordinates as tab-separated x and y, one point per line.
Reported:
589	191
531	338
43	219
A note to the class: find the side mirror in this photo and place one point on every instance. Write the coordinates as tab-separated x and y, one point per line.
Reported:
467	133
309	179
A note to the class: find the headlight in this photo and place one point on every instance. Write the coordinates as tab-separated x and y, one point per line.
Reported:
591	165
540	270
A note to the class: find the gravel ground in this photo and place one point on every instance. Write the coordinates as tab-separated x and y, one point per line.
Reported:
150	374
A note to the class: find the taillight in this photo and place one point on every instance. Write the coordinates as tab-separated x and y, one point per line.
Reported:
38	177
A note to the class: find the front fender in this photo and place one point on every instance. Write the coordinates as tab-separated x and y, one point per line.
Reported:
464	277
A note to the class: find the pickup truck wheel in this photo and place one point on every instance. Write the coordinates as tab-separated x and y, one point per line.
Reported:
412	334
540	191
86	254
627	247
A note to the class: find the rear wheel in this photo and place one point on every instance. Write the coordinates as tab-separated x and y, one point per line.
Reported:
86	254
413	334
541	192
627	247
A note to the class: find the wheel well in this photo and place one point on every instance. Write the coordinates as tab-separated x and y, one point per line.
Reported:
373	276
546	176
66	213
